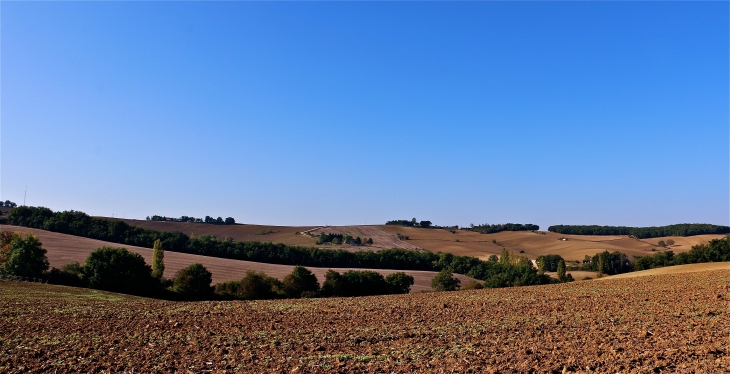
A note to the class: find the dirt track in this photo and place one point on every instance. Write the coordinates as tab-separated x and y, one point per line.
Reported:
668	323
63	249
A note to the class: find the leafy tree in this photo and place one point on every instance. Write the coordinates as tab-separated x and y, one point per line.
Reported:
548	262
370	241
6	238
193	282
561	270
158	260
504	258
670	242
399	283
230	221
333	284
493	258
257	285
118	270
27	257
425	224
445	281
301	282
661	243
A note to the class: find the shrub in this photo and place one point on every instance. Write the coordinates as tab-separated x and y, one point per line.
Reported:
333	284
399	283
670	242
193	282
26	257
661	243
301	282
257	285
472	285
70	274
445	281
118	270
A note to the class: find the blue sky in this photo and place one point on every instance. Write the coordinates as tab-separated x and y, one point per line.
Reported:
610	113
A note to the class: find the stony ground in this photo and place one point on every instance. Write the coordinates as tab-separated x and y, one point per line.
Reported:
667	323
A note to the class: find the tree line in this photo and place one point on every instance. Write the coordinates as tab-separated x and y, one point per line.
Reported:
119	270
717	250
342	239
683	229
490	229
207	219
410	223
493	273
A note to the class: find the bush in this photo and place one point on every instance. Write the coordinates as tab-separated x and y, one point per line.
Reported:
445	281
193	283
399	283
26	257
70	274
118	270
301	282
257	285
333	284
473	285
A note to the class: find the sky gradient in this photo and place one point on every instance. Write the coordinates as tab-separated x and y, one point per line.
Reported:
609	113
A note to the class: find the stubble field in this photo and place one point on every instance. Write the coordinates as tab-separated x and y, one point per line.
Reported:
666	323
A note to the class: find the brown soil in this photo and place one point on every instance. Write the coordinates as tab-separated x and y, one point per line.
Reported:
63	249
679	269
676	323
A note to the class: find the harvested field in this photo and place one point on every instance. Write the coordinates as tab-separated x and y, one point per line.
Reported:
238	232
63	249
678	323
679	269
535	244
464	243
381	239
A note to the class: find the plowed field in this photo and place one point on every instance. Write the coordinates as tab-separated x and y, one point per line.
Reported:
666	323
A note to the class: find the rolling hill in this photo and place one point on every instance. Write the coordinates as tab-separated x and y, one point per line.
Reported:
63	249
466	243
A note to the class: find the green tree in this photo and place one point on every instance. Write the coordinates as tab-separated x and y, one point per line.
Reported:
257	285
118	270
445	281
661	243
561	270
493	258
333	284
504	258
27	257
399	283
301	282
158	260
6	238
193	282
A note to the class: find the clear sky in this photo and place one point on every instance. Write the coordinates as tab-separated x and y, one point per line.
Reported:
611	113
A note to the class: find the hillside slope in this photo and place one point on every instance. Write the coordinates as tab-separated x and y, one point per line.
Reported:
461	242
63	249
669	323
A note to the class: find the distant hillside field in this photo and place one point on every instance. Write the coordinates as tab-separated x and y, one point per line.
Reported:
679	269
534	244
63	249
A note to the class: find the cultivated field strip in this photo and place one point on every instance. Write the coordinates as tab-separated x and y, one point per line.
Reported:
676	323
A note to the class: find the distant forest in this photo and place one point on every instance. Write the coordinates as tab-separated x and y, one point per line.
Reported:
494	274
207	219
683	229
490	229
